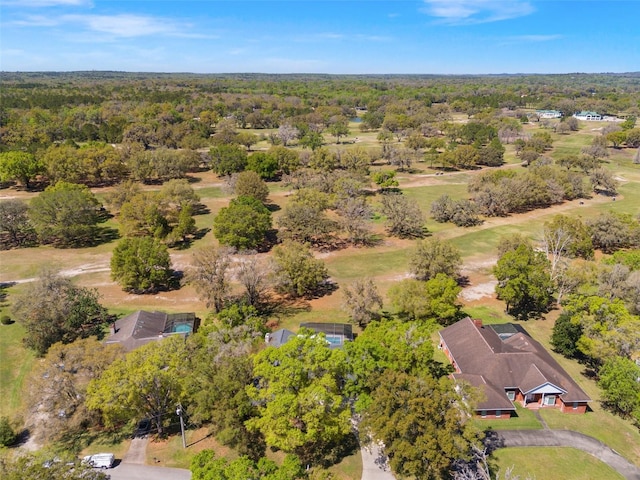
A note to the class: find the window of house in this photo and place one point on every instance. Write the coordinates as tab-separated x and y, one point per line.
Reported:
575	405
483	413
550	400
511	395
498	413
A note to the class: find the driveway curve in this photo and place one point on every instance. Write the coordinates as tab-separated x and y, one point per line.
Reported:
563	438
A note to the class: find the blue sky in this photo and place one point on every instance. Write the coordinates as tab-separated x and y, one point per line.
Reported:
331	36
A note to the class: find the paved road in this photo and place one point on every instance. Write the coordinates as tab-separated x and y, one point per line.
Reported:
374	465
126	471
564	438
137	453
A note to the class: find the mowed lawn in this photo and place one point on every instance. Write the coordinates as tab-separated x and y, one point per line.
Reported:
553	463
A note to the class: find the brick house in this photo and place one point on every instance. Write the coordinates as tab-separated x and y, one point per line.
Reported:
509	366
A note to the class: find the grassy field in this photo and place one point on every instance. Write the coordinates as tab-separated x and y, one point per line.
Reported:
552	462
15	365
386	262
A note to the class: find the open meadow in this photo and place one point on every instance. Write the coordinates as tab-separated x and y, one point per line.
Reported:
386	262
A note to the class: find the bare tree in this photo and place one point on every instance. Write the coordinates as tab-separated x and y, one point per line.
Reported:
555	243
253	273
286	133
362	301
210	275
355	213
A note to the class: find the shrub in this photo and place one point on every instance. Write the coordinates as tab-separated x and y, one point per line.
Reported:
6	320
7	435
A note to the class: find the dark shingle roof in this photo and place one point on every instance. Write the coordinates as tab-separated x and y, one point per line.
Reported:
138	328
516	361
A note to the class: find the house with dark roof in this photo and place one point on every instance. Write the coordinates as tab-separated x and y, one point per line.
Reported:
509	366
278	337
142	327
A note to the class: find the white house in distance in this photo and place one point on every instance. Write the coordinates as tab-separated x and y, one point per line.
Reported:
588	116
549	113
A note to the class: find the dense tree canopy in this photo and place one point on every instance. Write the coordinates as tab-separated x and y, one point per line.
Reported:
423	423
65	215
141	265
53	310
297	272
433	256
147	383
524	282
244	224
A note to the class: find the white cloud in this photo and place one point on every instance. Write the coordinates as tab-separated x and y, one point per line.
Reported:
124	25
36	21
468	12
47	3
537	38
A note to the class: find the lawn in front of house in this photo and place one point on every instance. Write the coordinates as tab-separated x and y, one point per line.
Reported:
552	462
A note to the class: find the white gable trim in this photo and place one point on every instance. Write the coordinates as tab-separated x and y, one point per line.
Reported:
546	388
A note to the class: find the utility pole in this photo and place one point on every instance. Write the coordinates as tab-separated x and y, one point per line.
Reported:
179	412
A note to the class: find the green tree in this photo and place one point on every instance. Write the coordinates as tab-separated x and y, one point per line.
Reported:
53	310
312	140
388	345
618	379
300	403
65	215
422	422
288	160
404	217
611	231
297	272
7	435
362	301
142	215
306	222
264	165
251	185
435	299
21	167
565	336
385	179
205	466
247	139
244	224
141	265
228	159
147	383
433	256
339	128
524	282
15	228
608	328
220	370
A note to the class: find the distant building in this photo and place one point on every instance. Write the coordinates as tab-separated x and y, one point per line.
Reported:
509	366
142	327
549	113
588	116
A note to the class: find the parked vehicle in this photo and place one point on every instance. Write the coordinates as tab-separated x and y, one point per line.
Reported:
100	460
